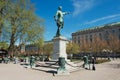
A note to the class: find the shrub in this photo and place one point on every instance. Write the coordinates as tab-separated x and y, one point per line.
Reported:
102	61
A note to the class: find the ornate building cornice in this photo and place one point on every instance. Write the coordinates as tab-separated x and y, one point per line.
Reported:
97	29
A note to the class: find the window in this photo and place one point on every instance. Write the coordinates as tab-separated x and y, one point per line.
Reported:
74	38
86	38
107	32
79	41
90	38
100	35
107	35
113	31
78	37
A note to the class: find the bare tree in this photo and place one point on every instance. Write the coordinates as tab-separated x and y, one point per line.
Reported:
114	43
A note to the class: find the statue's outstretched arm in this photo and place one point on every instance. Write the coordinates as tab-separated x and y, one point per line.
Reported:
64	13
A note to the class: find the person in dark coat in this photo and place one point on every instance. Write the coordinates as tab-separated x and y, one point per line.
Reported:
93	63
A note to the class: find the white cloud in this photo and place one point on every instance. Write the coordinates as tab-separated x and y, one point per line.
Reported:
103	18
81	6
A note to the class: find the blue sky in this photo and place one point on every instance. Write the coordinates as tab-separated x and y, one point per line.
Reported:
83	14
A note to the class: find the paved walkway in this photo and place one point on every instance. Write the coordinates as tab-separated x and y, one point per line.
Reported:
105	71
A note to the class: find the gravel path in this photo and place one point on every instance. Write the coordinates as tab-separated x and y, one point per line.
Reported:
105	71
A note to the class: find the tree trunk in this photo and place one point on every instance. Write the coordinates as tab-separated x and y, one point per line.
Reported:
11	48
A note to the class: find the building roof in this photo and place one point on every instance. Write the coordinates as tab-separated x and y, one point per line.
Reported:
97	28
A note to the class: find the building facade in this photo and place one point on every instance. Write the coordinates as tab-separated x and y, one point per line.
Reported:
102	32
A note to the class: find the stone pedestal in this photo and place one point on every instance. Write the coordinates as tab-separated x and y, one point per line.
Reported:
59	54
59	48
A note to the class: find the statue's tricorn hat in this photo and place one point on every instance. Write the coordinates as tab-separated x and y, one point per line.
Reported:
60	7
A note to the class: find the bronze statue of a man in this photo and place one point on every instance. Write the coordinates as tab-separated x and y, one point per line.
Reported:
59	19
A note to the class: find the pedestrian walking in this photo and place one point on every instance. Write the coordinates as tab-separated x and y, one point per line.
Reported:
93	63
32	61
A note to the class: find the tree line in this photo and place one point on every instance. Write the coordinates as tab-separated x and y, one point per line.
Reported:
97	45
